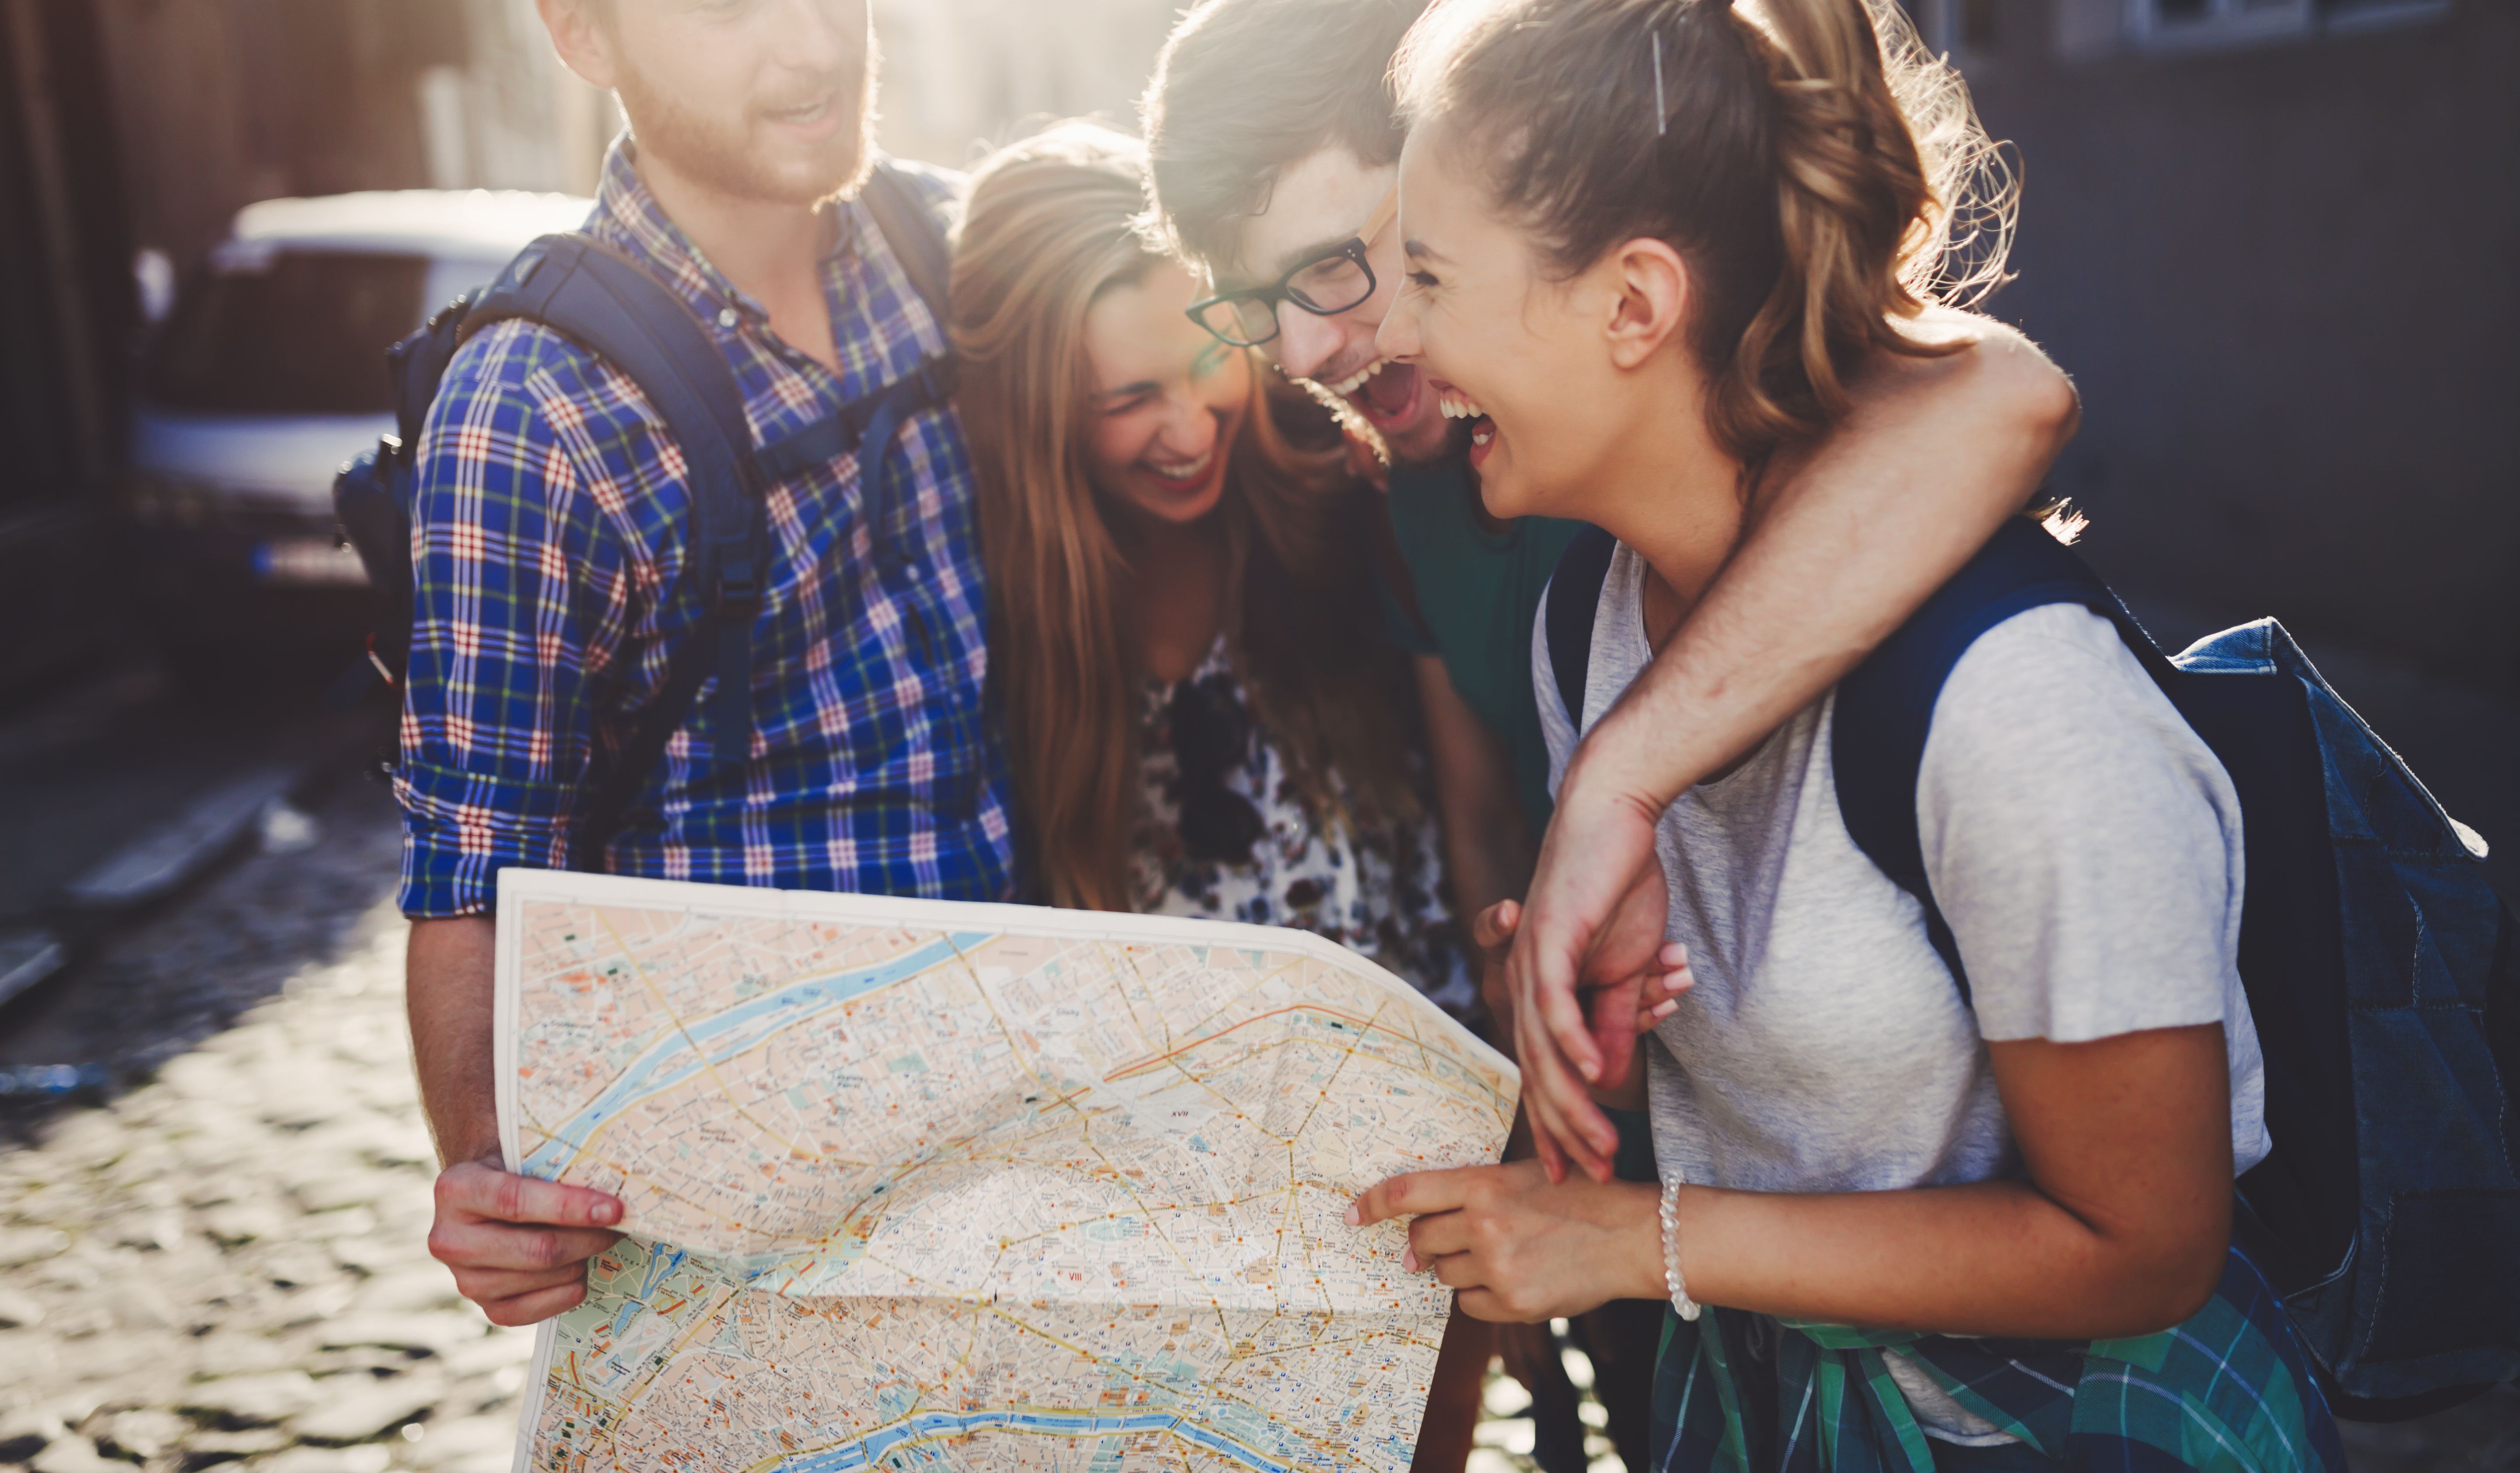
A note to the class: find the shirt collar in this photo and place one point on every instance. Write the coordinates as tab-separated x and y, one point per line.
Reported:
629	216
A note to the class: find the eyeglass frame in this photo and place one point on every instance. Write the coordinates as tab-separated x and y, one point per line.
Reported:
1353	249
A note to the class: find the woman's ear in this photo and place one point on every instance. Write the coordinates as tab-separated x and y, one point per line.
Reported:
581	37
1649	286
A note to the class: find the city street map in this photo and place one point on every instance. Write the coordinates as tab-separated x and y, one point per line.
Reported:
919	1184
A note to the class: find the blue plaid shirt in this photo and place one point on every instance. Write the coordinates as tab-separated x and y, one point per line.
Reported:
553	583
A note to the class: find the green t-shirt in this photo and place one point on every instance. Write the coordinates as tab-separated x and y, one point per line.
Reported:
1478	594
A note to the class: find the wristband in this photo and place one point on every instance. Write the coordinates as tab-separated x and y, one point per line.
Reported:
1678	1287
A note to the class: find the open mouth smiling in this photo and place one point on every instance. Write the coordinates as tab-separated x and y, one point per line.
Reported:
1180	475
1385	391
1356	381
1458	405
818	112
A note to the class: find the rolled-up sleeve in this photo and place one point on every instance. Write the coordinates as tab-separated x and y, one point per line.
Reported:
517	611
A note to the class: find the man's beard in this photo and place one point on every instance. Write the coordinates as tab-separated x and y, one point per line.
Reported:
722	158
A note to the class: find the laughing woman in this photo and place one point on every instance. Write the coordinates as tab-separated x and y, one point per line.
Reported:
1198	703
1646	239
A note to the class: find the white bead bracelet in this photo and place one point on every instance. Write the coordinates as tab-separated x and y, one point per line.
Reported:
1685	1307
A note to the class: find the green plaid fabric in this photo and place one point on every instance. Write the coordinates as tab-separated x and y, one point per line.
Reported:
2227	1391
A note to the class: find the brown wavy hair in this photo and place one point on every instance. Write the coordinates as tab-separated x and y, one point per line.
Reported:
1822	176
1244	88
1053	222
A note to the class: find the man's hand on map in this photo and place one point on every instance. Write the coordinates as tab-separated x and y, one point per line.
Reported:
519	1246
1522	1248
1642	1001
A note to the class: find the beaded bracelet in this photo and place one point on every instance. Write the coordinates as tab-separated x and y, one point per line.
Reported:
1685	1307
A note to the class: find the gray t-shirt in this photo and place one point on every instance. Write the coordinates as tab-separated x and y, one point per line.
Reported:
2083	845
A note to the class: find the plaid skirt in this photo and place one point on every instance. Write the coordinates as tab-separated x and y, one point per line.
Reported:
2227	1391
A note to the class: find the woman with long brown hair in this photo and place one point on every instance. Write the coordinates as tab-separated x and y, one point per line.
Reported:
1955	1199
1197	700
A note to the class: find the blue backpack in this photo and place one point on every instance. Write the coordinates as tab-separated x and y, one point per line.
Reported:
610	305
2379	965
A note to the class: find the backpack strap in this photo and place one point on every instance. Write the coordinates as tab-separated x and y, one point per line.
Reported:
913	229
1885	706
610	305
1567	610
843	430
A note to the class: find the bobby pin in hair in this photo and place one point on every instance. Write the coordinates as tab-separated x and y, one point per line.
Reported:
1662	110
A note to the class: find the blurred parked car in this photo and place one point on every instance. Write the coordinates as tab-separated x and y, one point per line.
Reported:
268	374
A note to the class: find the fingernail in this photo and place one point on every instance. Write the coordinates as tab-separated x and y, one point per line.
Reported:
1408	1260
1665	1009
1355	1214
607	1214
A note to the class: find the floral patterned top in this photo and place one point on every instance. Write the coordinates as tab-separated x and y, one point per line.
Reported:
1224	834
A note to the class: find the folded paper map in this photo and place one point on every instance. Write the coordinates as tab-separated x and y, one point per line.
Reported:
915	1184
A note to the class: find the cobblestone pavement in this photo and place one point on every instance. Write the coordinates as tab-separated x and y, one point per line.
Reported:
228	1262
225	1263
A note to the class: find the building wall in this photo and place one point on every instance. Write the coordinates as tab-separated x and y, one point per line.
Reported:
225	101
512	116
64	317
2287	279
221	103
960	75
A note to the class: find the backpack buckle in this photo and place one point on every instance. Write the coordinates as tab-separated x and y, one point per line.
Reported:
738	592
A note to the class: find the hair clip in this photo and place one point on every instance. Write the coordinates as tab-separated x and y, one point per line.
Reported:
1662	110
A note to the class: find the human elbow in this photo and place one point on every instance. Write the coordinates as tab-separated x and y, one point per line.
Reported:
2152	1287
2187	1285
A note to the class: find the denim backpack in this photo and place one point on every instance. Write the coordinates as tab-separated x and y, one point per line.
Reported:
610	305
2379	967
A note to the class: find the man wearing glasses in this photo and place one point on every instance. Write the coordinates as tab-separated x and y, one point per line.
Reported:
1275	146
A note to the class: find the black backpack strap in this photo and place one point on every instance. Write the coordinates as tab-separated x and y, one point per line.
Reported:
840	432
610	305
370	501
1885	706
1569	607
914	229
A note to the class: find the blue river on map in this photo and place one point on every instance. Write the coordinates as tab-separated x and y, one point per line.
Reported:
669	1061
927	1425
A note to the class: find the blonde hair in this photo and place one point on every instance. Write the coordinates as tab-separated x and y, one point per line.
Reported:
1822	176
1053	222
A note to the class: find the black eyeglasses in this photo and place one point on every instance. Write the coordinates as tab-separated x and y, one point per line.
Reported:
1211	736
1324	286
1336	280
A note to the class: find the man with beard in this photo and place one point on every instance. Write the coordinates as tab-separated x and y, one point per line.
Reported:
1275	148
554	577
